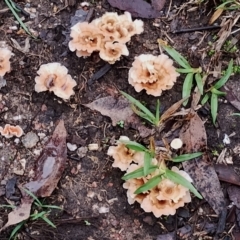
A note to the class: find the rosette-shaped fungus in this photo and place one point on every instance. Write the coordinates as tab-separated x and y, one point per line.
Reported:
9	131
86	38
111	52
54	77
152	73
124	156
5	55
163	199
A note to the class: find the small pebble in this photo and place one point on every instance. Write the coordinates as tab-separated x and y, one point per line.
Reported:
30	140
71	147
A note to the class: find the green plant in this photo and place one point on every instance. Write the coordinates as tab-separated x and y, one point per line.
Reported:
163	171
214	92
120	123
39	213
14	11
236	114
192	74
144	112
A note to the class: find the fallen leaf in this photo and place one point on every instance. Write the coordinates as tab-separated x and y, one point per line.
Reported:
202	172
216	15
231	97
139	8
24	49
167	236
234	195
158	4
118	109
228	173
50	166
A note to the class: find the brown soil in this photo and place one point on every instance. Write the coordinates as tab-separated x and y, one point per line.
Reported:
90	182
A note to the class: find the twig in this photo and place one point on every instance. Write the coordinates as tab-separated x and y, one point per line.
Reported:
186	30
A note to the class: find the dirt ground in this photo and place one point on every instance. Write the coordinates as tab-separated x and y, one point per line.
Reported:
89	183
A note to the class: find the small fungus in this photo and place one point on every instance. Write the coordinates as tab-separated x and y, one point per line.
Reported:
176	143
152	73
124	156
107	35
5	55
9	131
163	199
54	77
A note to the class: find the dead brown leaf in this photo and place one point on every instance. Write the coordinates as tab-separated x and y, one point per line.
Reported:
202	172
216	15
50	166
234	195
139	8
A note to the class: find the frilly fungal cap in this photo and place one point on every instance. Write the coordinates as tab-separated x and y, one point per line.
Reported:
9	131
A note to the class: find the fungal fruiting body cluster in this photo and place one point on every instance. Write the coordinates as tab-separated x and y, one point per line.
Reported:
54	77
107	35
152	73
9	131
162	199
5	55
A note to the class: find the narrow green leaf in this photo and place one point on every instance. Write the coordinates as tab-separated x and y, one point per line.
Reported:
186	157
139	105
214	107
177	178
157	117
205	98
187	87
236	114
147	163
224	79
223	4
199	82
138	173
153	182
217	92
183	70
37	215
32	195
16	229
48	221
52	206
175	55
7	206
134	145
142	115
18	18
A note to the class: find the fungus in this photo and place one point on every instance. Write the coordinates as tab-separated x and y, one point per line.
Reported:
9	131
111	52
163	199
124	156
86	38
176	143
152	73
54	77
5	55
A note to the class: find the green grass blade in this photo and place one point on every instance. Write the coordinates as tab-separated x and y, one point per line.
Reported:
7	206
37	215
138	173
177	178
153	182
52	206
205	98
139	105
157	117
217	92
16	229
236	114
142	115
18	18
214	107
183	70
134	145
175	55
225	78
48	221
186	157
199	82
33	196
147	163
187	87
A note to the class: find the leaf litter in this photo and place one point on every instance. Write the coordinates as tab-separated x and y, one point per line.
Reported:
50	166
202	172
